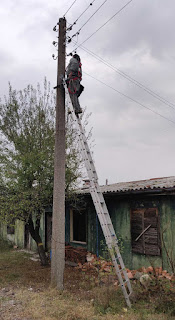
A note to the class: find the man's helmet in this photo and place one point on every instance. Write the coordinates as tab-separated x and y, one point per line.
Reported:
76	56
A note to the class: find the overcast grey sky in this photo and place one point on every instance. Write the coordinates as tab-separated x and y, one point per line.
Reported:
131	142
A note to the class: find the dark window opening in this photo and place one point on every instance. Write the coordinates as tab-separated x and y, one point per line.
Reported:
48	231
10	230
145	232
78	226
26	237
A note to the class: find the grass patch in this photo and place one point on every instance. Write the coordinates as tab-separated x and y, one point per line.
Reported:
108	300
167	307
27	283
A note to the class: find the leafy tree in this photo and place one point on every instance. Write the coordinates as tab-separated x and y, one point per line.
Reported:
27	155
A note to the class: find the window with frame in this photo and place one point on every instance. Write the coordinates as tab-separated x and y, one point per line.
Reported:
145	231
77	226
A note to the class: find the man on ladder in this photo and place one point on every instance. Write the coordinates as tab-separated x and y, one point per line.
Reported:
74	76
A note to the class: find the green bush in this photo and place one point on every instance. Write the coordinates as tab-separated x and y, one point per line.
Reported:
5	245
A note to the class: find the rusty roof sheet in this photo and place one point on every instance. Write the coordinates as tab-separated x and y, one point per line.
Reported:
142	185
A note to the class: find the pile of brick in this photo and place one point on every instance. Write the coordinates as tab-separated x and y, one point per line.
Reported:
102	266
87	261
77	255
95	264
157	272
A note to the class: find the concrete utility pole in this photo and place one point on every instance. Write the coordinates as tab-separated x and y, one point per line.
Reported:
58	220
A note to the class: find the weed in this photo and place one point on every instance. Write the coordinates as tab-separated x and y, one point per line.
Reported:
108	300
5	245
84	298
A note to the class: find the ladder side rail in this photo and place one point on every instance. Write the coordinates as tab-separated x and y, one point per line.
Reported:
105	209
87	148
107	233
101	208
88	164
111	245
101	216
122	283
99	205
80	129
86	160
120	259
112	248
87	152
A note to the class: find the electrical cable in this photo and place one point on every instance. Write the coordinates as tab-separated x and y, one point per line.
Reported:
69	8
131	99
71	25
124	74
105	23
77	33
134	81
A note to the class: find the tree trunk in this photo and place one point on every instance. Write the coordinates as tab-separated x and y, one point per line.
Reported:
34	231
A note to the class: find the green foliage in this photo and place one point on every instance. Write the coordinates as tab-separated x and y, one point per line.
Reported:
5	245
108	300
106	253
27	126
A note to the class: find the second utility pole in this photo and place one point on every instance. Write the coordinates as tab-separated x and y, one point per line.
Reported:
58	220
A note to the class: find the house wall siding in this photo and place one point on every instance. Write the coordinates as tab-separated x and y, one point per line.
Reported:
120	211
19	236
19	233
167	231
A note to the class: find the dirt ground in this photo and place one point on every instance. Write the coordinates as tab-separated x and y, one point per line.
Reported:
26	294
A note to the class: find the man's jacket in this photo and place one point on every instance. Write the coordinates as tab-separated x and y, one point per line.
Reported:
74	68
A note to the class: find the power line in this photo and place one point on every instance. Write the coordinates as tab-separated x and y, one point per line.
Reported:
69	8
70	27
131	99
134	81
77	33
105	23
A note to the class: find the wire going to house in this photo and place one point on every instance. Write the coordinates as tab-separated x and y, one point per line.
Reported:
124	75
71	25
131	99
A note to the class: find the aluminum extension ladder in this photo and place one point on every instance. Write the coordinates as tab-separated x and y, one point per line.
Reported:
100	206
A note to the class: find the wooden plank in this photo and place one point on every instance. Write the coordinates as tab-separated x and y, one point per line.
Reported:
145	228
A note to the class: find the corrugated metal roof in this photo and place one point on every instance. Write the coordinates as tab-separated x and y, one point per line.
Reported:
151	184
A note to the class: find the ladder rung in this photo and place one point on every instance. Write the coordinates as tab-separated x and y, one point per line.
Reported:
121	270
124	282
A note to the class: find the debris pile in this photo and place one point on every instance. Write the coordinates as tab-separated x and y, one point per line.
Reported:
157	272
77	255
87	261
96	264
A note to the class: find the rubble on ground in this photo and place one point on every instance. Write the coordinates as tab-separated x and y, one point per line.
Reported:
87	261
77	255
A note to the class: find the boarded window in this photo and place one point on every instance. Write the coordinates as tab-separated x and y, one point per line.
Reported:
78	226
145	233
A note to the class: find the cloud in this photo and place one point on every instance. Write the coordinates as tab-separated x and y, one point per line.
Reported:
131	142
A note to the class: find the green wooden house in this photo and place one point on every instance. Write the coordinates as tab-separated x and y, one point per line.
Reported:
143	215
